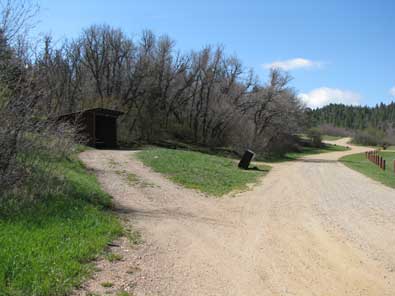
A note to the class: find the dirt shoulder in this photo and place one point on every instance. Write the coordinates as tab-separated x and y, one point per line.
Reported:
312	227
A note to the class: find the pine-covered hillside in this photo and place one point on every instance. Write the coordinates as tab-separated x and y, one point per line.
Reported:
355	117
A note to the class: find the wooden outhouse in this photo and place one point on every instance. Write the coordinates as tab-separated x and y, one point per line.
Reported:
98	125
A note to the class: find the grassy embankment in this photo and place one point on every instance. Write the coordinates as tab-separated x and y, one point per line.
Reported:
45	247
359	163
211	174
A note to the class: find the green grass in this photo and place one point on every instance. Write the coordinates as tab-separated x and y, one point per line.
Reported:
112	257
46	247
211	174
331	138
305	151
124	293
359	163
133	236
134	180
324	137
107	284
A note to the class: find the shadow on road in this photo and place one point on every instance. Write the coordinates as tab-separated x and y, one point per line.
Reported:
171	213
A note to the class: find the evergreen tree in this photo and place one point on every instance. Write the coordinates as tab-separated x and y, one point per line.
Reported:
380	116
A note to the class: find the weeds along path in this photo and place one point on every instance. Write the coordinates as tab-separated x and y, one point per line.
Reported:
312	227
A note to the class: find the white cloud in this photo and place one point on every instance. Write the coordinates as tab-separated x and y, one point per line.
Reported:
324	95
392	91
293	64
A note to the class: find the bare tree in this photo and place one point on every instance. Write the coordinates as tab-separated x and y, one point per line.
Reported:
201	97
273	110
17	17
26	131
25	134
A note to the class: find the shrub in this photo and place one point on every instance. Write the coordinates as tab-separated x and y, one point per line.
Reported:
330	130
29	142
315	136
369	137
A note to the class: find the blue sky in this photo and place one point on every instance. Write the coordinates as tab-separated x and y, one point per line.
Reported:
337	51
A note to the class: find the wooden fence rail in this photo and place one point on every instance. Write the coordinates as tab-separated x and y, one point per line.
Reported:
374	157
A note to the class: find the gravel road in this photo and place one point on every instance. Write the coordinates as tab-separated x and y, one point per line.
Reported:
311	227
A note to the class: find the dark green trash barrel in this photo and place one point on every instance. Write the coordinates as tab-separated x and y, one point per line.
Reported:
246	159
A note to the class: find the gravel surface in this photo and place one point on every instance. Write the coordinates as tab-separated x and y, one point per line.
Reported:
312	227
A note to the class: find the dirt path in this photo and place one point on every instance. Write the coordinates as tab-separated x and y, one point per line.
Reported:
313	227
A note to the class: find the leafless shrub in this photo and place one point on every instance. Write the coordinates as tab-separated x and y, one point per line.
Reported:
29	140
330	130
315	136
30	137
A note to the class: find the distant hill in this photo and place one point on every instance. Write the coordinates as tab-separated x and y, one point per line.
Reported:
381	116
